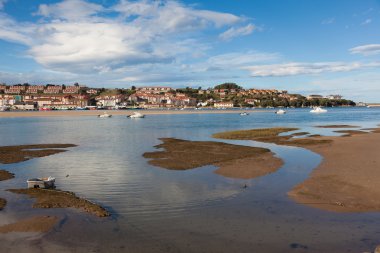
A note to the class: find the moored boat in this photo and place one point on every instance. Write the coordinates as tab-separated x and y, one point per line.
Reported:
280	111
42	183
318	110
136	115
105	115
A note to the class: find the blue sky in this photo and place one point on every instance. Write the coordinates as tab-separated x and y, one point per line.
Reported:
303	46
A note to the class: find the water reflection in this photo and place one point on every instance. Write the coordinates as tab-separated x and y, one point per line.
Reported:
175	207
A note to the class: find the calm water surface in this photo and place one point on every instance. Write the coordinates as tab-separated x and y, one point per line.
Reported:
158	210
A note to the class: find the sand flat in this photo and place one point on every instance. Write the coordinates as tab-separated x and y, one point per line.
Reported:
234	161
347	179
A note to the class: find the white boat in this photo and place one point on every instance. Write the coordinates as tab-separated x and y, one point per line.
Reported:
105	115
318	110
136	115
244	114
42	183
280	111
4	108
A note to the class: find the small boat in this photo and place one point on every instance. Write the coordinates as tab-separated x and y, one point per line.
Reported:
42	183
280	111
244	114
318	110
104	115
136	115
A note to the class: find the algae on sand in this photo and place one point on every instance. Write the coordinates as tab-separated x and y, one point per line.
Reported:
46	198
21	153
271	135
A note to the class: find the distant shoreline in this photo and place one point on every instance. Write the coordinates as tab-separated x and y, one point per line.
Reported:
77	113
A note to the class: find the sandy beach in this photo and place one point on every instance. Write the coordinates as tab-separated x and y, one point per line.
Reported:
81	113
346	180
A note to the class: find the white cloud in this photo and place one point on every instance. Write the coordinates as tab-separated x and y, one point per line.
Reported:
239	59
171	16
370	49
69	9
299	68
236	32
77	36
367	21
328	21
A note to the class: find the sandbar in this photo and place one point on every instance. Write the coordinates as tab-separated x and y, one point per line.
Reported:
272	135
338	126
20	153
33	224
347	179
5	175
233	161
47	198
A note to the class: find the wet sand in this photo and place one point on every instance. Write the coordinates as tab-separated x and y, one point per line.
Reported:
46	198
233	160
34	224
347	179
94	113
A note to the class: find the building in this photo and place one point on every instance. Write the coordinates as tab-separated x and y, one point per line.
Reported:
155	89
334	97
53	89
71	90
25	106
109	100
310	97
227	104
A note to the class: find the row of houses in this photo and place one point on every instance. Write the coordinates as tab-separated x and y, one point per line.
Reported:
39	89
331	97
36	101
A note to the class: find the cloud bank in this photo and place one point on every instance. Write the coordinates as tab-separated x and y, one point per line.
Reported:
77	36
300	68
366	50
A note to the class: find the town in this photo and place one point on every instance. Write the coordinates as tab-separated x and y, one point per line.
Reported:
226	95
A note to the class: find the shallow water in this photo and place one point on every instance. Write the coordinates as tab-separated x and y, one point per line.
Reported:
158	210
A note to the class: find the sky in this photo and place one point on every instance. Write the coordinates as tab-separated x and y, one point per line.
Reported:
303	46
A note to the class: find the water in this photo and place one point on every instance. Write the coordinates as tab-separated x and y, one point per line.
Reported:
158	210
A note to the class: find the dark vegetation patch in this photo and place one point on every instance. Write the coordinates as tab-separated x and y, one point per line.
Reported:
34	224
183	154
348	133
15	154
271	135
338	126
3	203
5	175
61	199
